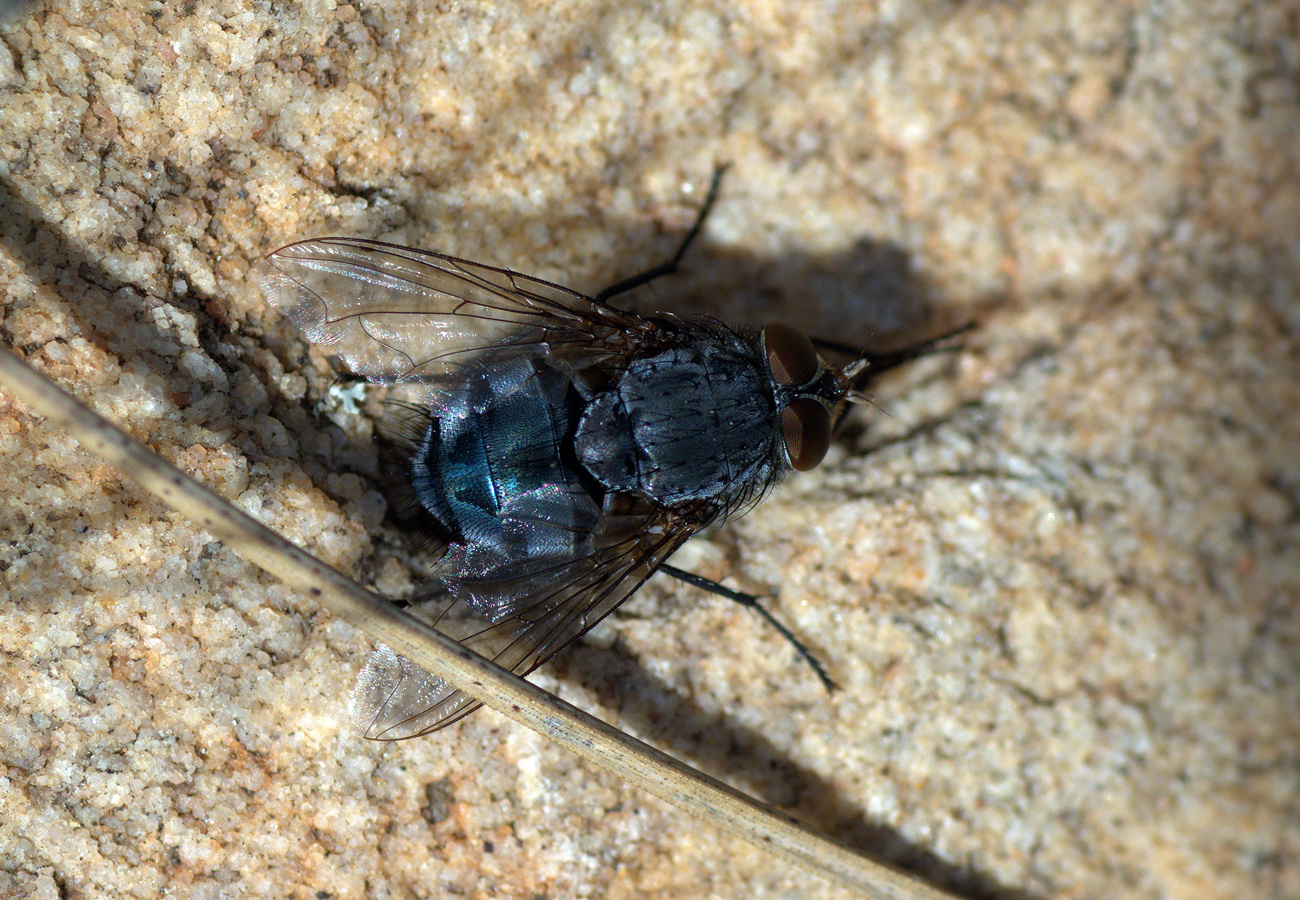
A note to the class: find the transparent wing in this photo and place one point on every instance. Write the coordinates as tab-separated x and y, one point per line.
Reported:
394	314
395	699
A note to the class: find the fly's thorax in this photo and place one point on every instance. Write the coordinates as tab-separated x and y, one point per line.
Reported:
696	420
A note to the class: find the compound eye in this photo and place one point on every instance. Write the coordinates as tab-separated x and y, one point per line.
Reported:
790	355
806	430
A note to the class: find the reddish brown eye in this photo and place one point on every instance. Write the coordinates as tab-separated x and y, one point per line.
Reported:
790	355
806	430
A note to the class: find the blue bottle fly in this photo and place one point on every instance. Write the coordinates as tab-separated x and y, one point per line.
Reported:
562	448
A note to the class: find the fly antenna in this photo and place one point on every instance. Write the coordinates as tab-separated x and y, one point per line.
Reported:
855	369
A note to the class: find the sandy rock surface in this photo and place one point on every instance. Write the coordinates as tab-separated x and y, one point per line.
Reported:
1057	573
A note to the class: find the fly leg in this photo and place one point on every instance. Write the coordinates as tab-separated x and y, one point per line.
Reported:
872	364
669	267
751	601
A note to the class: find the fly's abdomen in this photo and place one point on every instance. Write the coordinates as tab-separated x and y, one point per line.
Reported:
694	422
491	469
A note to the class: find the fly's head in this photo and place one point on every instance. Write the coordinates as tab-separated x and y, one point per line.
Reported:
811	394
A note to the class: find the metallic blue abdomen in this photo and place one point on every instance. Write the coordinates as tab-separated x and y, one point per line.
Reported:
492	469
